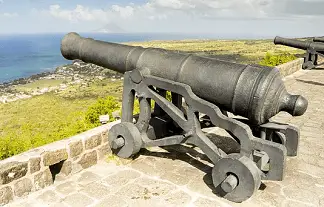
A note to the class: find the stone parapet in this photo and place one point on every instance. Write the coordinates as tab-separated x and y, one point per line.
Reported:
290	67
37	168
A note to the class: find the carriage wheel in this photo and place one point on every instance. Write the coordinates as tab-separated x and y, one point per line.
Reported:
236	178
125	139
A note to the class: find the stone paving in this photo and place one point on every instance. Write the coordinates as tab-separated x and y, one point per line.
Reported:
164	177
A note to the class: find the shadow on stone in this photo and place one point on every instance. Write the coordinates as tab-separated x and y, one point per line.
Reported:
218	190
56	169
310	82
176	153
190	154
262	186
196	158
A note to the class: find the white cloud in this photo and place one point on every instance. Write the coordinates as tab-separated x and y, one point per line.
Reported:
79	13
123	11
9	15
162	9
199	9
1	1
173	4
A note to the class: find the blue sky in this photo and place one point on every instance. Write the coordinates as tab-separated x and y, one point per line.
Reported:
239	17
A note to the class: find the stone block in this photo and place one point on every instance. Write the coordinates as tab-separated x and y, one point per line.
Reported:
78	199
66	168
177	198
89	159
49	197
103	151
34	165
67	188
104	136
23	187
43	179
76	148
53	157
96	190
113	200
76	167
6	195
87	178
12	171
92	142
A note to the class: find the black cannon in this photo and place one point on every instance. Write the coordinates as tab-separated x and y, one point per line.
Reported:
313	49
199	86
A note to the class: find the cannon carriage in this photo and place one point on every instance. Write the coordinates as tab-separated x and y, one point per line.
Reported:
314	49
199	85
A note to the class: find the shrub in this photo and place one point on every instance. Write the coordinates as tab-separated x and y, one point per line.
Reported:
137	104
274	60
101	107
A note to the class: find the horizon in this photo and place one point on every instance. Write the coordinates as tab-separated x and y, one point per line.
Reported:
186	36
257	18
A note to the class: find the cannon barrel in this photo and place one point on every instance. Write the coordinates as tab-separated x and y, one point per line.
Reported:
254	92
318	39
304	45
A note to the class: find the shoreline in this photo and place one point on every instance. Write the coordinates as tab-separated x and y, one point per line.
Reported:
63	76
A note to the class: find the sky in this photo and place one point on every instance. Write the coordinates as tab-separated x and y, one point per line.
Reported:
293	18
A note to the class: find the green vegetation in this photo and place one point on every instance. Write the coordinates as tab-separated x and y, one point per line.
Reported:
40	120
44	119
34	122
38	84
102	107
274	60
243	51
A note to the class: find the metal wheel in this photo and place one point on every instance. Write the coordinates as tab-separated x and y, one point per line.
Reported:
125	139
308	65
236	178
279	138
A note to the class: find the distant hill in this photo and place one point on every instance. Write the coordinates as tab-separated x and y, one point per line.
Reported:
110	28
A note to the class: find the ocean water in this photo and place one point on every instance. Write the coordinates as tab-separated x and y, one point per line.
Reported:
25	55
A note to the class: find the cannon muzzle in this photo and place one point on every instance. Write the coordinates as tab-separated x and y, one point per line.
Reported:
303	45
254	92
105	54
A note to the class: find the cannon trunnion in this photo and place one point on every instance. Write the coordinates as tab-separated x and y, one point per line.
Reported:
199	86
313	49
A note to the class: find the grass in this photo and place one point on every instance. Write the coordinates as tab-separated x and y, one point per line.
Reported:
243	51
38	84
40	120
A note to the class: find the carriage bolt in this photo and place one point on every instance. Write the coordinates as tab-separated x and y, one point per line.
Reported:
229	184
118	143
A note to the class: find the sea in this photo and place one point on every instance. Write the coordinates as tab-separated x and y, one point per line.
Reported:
23	55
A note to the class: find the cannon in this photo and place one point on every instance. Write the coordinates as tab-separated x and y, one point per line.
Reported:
202	89
313	49
318	39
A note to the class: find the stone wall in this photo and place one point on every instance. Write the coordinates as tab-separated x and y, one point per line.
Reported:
290	67
38	168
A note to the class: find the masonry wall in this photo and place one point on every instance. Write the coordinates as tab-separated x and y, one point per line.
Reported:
290	67
38	168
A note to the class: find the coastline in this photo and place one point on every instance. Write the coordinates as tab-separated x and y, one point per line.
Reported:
58	80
